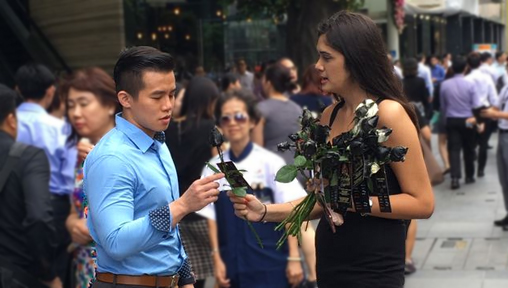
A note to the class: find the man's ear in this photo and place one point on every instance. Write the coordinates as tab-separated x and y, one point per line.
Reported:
125	99
12	124
50	93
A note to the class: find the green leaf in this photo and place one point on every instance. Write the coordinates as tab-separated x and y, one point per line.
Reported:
335	179
213	168
370	185
239	191
300	161
286	174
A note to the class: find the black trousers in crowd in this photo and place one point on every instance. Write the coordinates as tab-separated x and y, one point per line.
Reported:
483	143
460	138
61	209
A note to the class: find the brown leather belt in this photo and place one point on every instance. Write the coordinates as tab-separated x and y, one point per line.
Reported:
142	280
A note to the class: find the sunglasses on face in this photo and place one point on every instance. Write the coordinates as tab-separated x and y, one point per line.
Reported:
239	118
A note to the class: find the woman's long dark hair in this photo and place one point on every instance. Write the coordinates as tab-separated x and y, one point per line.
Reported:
357	38
200	95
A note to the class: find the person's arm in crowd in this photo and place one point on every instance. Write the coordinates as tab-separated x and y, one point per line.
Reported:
492	94
294	270
110	191
218	264
442	99
258	132
39	224
428	81
68	166
77	227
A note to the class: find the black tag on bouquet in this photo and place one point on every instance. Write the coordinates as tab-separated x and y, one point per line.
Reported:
360	191
381	189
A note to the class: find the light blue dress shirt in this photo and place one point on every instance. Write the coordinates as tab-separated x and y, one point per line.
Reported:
128	176
424	72
36	127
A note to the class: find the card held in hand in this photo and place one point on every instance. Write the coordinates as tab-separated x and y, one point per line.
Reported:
235	178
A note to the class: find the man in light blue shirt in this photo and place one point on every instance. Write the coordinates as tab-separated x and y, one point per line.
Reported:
131	183
36	127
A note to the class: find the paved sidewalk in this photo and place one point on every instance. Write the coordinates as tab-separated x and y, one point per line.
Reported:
459	245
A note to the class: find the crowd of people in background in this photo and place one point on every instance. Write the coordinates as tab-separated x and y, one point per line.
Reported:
44	232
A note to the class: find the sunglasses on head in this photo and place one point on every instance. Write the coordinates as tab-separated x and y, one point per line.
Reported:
238	117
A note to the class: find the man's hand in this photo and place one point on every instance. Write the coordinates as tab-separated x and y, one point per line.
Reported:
219	270
80	233
489	113
201	193
84	147
294	273
247	207
55	283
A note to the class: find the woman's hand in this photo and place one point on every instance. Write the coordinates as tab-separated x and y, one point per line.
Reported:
79	232
294	273
84	147
247	207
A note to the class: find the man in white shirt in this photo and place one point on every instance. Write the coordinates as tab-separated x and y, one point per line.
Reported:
246	77
488	96
486	66
500	66
424	72
500	111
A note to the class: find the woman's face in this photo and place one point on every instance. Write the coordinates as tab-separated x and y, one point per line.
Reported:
87	115
331	67
235	122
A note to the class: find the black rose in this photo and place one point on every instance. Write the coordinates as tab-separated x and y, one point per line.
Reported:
361	112
215	138
398	154
341	140
309	149
383	153
370	124
321	133
371	140
307	118
356	147
294	137
283	147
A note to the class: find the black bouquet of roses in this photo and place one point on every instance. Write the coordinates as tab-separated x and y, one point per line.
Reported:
340	173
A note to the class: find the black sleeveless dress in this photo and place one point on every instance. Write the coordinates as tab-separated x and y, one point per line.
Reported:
365	252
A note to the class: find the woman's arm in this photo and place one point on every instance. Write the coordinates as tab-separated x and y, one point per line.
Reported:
416	200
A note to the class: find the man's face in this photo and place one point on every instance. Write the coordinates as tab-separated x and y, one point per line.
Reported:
242	67
434	61
292	69
151	111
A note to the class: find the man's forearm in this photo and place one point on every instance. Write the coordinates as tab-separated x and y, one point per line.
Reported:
178	211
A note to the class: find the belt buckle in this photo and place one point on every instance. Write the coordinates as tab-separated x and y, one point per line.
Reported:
174	281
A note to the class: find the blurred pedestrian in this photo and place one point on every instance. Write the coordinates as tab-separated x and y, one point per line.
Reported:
230	82
27	233
239	261
36	127
486	90
246	77
90	99
311	97
293	72
187	138
458	99
279	114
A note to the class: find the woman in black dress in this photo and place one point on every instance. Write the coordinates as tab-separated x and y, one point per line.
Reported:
366	251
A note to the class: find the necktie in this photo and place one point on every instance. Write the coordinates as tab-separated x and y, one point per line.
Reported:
160	136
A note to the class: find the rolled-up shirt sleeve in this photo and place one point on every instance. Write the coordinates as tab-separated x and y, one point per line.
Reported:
111	210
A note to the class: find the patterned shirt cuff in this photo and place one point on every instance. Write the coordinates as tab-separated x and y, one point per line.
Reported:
160	219
186	274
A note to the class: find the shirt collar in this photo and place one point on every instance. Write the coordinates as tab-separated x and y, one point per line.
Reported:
246	151
136	135
32	107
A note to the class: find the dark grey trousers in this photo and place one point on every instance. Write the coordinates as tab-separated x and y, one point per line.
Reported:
502	165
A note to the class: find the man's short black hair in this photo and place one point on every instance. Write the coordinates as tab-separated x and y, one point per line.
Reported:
419	57
33	80
474	60
459	64
499	54
129	68
8	99
485	56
